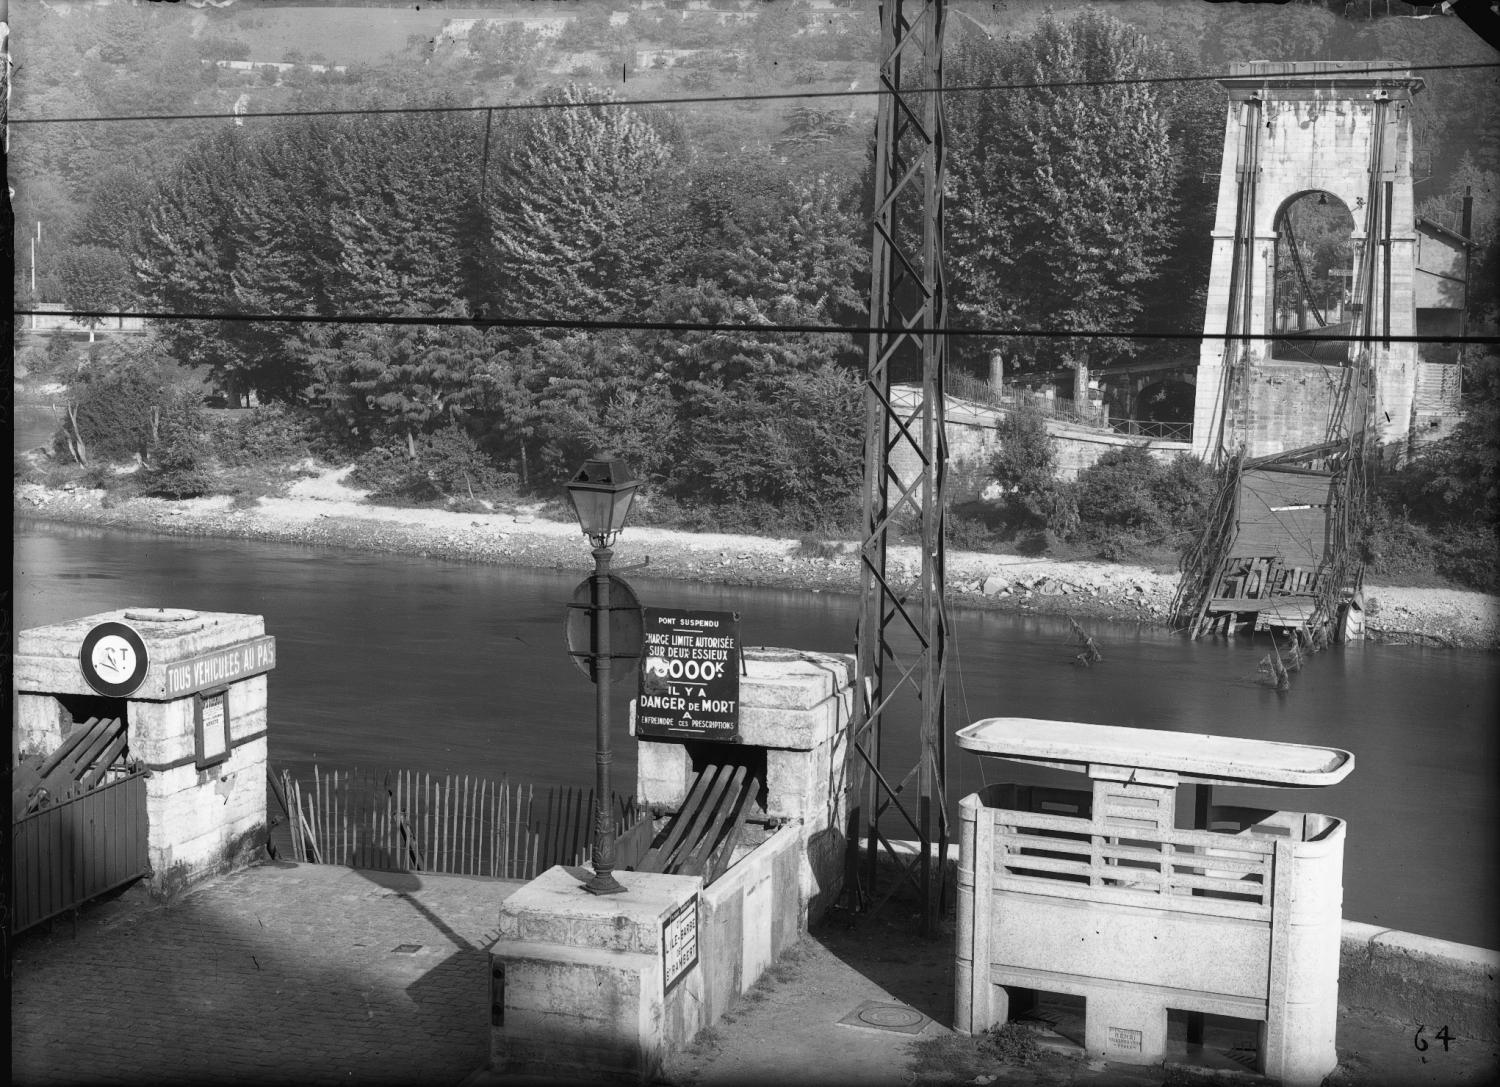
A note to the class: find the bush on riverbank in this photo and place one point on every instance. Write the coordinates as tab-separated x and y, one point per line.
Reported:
1129	501
449	464
116	404
1128	506
1402	551
179	466
1435	518
267	434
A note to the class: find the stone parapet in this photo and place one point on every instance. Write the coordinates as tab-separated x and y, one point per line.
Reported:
47	657
790	702
554	909
1421	980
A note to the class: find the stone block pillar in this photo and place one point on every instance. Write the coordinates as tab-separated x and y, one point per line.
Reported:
195	719
796	706
1294	128
600	988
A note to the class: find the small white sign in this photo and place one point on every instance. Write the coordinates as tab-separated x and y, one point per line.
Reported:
214	732
1121	1038
679	943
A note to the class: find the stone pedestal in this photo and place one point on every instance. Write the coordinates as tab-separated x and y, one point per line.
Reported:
197	722
589	988
595	987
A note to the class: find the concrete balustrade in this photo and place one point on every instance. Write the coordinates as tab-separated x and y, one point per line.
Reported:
197	722
586	987
1101	894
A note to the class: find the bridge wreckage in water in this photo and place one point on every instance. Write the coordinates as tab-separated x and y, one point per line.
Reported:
1281	547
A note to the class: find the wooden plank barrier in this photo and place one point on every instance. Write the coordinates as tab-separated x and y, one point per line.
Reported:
700	838
404	820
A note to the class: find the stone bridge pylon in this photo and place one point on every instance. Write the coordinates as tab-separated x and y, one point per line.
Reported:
1325	147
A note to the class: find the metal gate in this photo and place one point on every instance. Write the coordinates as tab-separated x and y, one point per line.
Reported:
77	848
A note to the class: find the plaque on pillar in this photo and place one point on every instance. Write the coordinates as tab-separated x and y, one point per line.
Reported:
211	740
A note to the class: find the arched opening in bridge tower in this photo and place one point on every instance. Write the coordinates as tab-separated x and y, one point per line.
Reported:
1167	401
1313	277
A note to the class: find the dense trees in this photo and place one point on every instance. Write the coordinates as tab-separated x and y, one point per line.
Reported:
408	380
1085	207
1060	197
93	278
584	213
359	216
564	223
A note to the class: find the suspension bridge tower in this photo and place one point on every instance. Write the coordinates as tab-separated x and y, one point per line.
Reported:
1296	350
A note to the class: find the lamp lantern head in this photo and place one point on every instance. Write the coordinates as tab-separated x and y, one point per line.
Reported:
601	494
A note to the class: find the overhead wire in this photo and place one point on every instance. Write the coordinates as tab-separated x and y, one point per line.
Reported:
482	321
605	103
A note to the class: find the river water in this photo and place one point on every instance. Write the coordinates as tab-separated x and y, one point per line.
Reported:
387	661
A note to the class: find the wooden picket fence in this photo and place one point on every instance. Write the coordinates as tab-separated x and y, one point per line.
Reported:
402	820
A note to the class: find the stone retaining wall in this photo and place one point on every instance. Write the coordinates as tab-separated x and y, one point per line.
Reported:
1434	982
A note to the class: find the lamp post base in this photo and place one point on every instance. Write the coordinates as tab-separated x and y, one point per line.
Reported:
604	883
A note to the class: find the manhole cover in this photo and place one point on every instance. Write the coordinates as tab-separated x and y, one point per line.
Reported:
881	1015
406	949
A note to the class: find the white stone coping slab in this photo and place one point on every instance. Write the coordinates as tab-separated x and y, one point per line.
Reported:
47	658
793	679
554	908
1197	757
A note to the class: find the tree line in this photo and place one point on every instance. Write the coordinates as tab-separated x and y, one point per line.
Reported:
584	210
1082	208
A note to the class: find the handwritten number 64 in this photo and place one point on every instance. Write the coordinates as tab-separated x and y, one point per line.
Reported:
1442	1035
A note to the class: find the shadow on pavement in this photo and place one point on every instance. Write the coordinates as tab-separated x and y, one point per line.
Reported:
887	947
281	975
465	971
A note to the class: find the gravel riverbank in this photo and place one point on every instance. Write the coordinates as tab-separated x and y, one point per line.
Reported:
321	511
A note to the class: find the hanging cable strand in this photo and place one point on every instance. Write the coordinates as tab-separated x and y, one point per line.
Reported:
1302	279
973	88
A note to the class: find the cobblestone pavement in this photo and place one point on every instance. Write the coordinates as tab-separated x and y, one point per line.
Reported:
794	1029
289	973
282	973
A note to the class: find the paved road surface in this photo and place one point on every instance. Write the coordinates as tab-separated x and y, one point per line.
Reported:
276	974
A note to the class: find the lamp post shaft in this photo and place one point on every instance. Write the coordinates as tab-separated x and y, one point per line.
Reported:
604	881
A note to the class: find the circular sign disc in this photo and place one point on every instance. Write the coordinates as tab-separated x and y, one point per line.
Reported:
626	632
113	659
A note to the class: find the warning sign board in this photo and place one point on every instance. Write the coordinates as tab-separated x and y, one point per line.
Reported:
690	675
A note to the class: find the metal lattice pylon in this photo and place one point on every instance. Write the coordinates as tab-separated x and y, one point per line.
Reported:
903	626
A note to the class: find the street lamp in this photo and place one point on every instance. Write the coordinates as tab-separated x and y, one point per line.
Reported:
601	494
